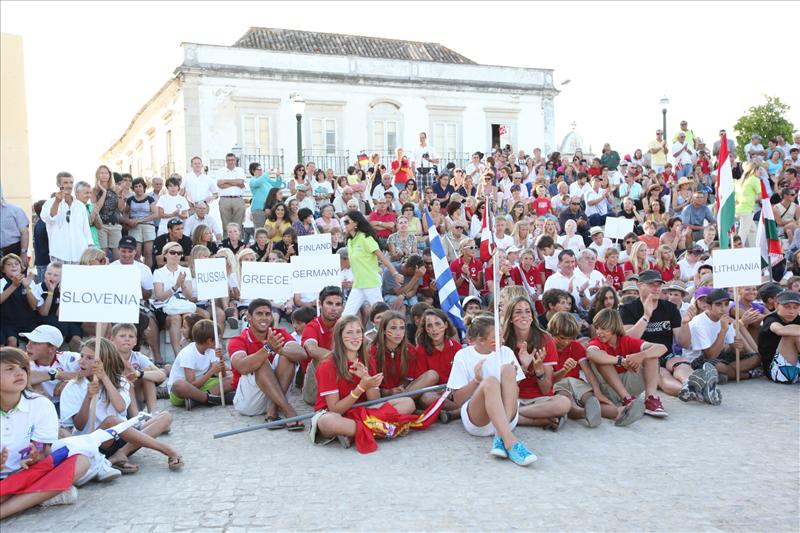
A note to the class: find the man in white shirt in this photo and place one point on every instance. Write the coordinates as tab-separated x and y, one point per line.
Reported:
67	223
385	186
580	186
201	216
682	153
198	186
599	241
230	182
564	278
424	159
597	201
303	199
586	274
754	148
475	168
503	241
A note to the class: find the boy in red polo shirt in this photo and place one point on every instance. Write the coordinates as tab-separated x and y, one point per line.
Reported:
317	340
263	360
626	367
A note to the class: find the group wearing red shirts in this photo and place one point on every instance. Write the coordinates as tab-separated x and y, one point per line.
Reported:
246	342
440	361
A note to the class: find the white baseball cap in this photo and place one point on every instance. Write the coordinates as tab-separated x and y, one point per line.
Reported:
48	334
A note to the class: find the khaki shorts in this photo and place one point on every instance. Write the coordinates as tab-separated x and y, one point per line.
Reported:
632	381
143	233
249	399
109	236
310	385
575	387
314	434
531	401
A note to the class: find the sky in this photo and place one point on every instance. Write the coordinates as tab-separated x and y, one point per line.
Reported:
90	66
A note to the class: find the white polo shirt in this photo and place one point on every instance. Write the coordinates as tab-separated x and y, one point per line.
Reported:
63	362
33	419
224	174
198	188
72	398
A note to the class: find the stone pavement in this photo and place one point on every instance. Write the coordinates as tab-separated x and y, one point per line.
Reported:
733	468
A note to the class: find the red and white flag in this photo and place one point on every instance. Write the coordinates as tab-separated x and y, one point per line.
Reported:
487	239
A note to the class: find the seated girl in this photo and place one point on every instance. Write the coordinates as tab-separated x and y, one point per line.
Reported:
436	349
139	369
102	375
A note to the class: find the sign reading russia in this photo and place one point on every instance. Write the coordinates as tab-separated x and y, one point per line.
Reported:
314	244
100	293
279	281
736	267
211	278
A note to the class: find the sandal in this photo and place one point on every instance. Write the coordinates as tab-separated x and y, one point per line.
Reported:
125	467
274	419
296	426
175	463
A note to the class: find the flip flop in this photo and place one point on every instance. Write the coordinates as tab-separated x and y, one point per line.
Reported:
296	426
175	463
125	467
274	419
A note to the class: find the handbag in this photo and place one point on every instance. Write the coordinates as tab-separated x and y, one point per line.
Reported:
178	305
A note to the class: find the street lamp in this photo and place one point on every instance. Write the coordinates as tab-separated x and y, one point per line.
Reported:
664	105
299	107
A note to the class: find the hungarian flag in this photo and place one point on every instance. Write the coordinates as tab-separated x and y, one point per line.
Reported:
726	203
767	237
487	239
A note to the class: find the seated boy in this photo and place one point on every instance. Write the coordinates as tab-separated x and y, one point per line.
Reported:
50	369
193	378
626	367
779	340
139	369
588	401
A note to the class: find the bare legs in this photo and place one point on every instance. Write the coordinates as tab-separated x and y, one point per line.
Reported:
15	503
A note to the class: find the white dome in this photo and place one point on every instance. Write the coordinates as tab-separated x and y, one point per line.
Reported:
572	143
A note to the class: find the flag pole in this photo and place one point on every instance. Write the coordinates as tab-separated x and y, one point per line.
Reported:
496	290
221	374
738	328
93	405
298	418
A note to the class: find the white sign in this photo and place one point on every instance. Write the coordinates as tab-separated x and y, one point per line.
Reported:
272	281
312	273
100	294
211	278
618	227
736	267
315	244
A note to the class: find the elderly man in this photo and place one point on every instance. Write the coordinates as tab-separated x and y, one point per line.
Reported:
230	182
695	214
385	186
564	278
682	152
67	223
340	202
383	221
303	199
201	216
586	273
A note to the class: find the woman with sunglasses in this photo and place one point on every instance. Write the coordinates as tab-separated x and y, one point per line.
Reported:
298	178
364	254
170	280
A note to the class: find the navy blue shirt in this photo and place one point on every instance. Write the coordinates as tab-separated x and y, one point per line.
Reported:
41	244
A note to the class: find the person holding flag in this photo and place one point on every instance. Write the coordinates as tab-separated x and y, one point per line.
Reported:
448	288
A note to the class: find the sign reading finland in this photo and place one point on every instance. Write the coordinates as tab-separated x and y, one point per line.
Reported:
108	293
211	278
736	267
314	244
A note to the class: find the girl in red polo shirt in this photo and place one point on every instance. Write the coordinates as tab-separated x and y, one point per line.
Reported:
436	348
343	380
536	353
611	269
397	362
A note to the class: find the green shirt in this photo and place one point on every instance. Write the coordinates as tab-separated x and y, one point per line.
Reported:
747	191
95	238
363	261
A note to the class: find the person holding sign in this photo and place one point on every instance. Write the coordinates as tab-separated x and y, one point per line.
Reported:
192	379
364	253
264	359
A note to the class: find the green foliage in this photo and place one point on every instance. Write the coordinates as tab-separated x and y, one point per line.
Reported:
767	120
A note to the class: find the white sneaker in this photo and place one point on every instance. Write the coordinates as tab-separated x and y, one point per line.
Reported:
105	472
68	497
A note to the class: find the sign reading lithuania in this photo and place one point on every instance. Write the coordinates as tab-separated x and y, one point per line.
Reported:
736	267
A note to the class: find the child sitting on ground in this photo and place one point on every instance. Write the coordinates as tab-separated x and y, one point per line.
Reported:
193	378
139	369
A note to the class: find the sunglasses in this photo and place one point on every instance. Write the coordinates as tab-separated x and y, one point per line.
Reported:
574	203
174	252
69	211
428	263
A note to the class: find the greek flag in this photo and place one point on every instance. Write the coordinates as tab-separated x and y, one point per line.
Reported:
448	294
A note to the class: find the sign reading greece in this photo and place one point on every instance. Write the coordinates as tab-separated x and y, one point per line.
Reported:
736	267
279	281
211	278
108	293
314	244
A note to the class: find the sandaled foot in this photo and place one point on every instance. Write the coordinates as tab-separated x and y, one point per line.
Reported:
125	467
296	426
271	418
175	462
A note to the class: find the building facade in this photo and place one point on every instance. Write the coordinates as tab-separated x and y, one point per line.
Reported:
362	94
15	170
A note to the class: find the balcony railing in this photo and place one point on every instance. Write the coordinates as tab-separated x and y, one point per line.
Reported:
338	160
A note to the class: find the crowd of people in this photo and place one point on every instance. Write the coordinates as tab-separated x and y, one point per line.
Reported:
590	327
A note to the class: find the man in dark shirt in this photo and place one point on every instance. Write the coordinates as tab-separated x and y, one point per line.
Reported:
174	234
779	340
574	212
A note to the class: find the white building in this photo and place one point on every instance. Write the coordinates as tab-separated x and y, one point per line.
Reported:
362	94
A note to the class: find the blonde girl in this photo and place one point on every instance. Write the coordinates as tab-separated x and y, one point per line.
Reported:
637	262
666	263
522	234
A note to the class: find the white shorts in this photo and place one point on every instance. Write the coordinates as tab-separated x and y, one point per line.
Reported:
249	399
782	371
359	297
483	431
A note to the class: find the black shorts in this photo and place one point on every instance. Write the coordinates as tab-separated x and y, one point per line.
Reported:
729	358
114	448
9	329
161	318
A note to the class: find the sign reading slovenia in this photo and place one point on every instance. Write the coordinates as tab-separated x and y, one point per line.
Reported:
100	293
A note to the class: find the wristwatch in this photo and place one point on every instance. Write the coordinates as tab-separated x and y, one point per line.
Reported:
619	360
52	373
140	374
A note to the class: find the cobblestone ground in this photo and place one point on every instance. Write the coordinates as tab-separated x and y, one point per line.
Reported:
732	468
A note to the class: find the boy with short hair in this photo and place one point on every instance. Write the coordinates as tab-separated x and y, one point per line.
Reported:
626	367
301	317
139	369
48	299
779	340
193	378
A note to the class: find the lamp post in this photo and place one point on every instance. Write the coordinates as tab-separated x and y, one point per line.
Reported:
299	107
664	105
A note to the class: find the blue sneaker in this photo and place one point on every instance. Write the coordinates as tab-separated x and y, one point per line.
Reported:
521	455
498	448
